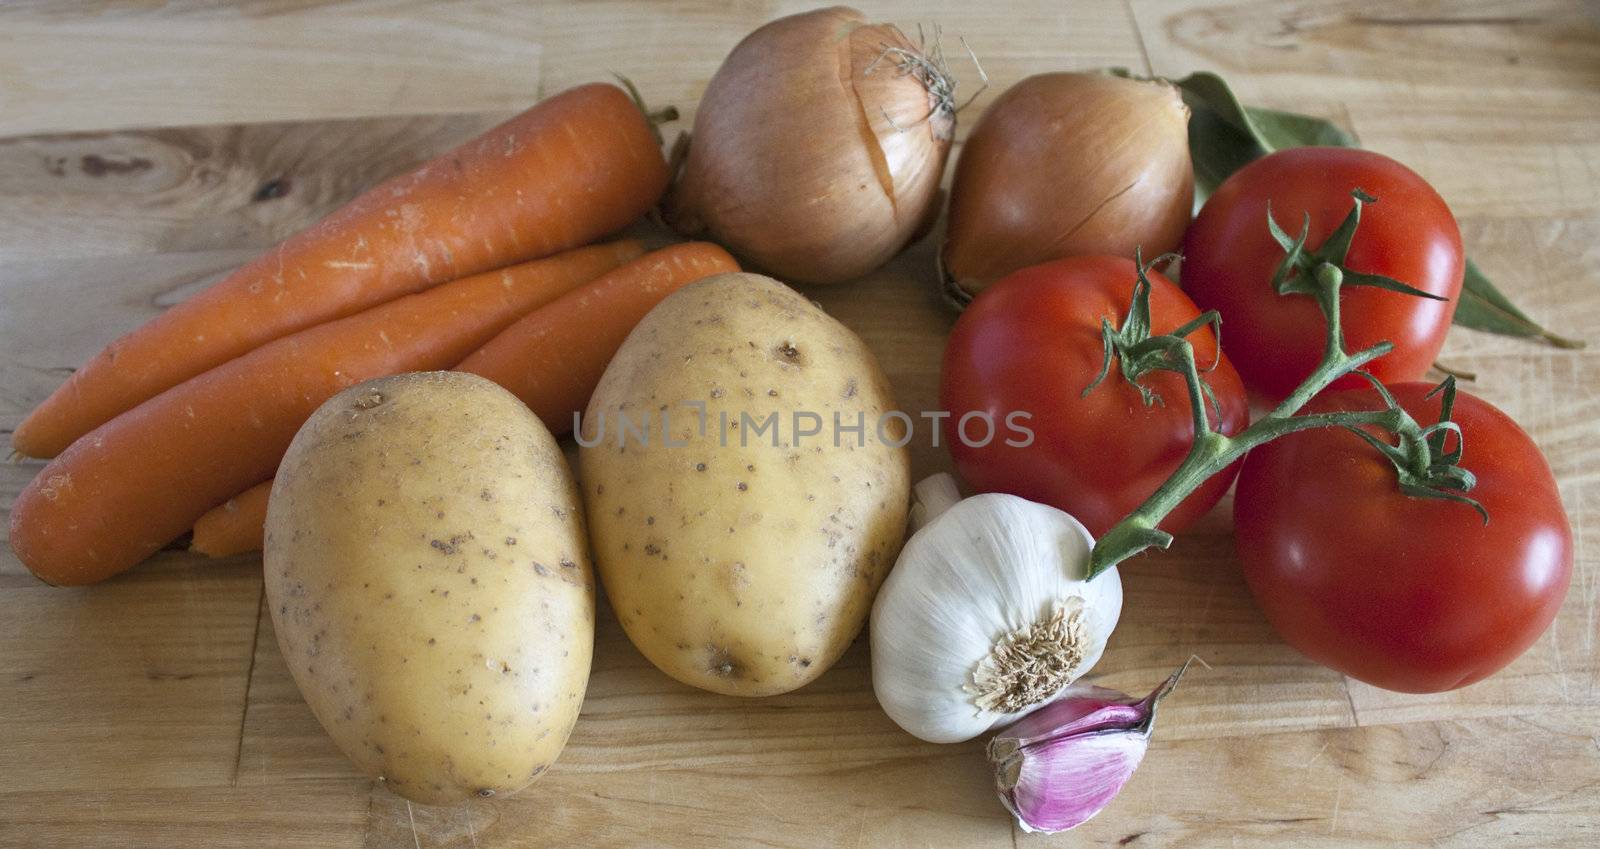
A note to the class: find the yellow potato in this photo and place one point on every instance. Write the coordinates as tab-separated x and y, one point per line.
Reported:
735	564
427	576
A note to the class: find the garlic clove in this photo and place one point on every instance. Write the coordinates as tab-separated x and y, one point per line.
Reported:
1060	765
1082	708
1061	784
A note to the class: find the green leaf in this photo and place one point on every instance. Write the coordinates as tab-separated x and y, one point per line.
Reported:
1225	135
1291	129
1222	138
1483	307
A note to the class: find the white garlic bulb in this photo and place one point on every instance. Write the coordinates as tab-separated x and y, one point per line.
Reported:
986	615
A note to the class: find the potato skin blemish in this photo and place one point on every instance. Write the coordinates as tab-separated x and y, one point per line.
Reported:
441	620
745	492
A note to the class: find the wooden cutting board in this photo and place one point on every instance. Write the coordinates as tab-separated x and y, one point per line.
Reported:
146	148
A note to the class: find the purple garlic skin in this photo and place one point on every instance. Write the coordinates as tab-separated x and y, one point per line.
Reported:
1060	765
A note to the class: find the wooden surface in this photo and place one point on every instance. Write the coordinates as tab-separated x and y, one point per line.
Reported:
147	147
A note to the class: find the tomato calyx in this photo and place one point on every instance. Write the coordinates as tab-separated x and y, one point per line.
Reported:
1301	270
1322	273
1425	466
1424	462
1139	353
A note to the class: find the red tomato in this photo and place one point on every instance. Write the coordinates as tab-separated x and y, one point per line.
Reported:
1277	340
1410	594
1031	343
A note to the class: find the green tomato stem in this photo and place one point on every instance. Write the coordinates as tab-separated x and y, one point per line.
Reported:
1423	466
1211	452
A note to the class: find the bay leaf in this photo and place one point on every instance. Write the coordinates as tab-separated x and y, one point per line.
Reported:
1225	135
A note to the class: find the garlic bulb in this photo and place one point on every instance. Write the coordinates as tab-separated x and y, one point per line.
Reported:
1063	763
986	614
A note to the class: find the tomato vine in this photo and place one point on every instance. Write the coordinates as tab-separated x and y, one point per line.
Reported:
1426	464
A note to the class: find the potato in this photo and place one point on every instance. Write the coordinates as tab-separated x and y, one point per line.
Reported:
428	577
736	564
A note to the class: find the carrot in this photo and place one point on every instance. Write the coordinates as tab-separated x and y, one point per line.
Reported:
552	360
553	357
235	526
131	485
573	168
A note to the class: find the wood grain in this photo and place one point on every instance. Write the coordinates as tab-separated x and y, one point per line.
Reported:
201	188
148	147
151	700
322	815
96	66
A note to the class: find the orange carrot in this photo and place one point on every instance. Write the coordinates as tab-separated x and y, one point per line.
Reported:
573	168
553	358
235	526
131	485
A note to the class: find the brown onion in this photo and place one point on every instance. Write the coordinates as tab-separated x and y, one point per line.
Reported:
817	147
1064	165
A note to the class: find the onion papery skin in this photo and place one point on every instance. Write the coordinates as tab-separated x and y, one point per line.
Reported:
1068	164
814	155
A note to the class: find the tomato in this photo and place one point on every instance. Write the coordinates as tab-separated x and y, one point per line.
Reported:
1031	344
1277	340
1410	594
